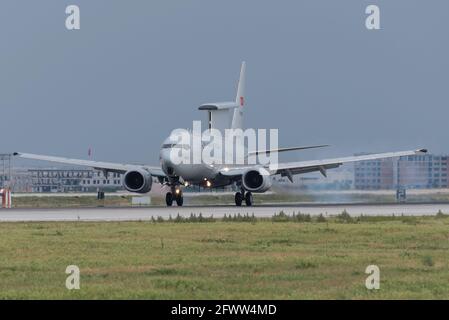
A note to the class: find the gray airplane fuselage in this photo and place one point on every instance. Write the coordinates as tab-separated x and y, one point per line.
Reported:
193	173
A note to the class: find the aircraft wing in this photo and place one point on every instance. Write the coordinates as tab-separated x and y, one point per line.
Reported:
291	168
251	153
99	165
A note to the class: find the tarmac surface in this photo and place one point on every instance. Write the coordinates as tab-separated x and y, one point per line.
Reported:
145	213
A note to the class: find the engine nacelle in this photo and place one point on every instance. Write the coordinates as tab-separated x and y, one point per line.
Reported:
139	181
256	180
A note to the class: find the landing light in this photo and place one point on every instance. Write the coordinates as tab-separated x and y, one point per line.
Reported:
208	183
186	184
177	191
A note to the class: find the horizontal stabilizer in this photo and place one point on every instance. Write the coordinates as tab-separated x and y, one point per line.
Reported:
218	106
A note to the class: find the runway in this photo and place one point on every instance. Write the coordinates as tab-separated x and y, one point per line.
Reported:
145	213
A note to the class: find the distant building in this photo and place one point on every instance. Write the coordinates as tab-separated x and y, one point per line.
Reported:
5	169
374	174
416	172
20	180
423	171
3	180
97	179
73	180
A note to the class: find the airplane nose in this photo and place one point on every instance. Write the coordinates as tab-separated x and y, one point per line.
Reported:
166	161
165	157
163	154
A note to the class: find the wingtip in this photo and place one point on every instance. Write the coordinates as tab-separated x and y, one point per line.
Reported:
421	151
16	154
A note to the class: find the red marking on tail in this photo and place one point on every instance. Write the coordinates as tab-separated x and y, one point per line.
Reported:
242	101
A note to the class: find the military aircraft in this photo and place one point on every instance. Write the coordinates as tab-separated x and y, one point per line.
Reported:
250	178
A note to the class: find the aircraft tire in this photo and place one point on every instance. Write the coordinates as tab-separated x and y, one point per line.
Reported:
179	200
249	199
169	199
238	199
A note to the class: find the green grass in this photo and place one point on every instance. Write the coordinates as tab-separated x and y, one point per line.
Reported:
206	198
69	201
263	259
74	201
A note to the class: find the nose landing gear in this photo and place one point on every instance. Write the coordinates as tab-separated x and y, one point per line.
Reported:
175	195
240	196
179	198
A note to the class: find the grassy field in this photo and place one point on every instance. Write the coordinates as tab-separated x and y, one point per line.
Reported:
225	259
113	200
70	201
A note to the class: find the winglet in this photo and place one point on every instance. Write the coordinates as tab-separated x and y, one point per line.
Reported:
421	151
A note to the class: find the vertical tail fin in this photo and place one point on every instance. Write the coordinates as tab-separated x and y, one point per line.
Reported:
240	98
237	119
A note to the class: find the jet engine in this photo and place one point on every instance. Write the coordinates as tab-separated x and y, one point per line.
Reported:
139	181
256	180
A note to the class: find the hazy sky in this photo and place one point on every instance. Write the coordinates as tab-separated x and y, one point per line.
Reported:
138	69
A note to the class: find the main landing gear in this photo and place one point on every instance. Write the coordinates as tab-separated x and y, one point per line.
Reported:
240	196
175	195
